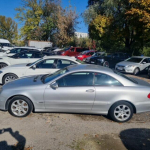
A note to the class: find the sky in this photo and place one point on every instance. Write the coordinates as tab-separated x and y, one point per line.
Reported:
7	8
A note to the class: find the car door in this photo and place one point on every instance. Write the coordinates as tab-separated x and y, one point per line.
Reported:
107	89
71	52
46	66
144	64
75	93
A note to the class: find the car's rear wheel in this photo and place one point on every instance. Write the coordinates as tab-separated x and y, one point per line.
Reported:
121	112
2	65
20	106
136	71
106	64
9	77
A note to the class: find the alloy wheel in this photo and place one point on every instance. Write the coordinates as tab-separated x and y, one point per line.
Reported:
9	78
122	112
19	107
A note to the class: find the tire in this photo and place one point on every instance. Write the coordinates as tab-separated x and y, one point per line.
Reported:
118	114
9	77
136	71
106	64
16	109
2	65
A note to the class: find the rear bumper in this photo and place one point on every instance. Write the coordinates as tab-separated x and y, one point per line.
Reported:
142	107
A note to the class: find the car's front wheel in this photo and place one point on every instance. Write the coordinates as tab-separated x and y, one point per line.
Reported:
9	77
136	71
20	106
121	111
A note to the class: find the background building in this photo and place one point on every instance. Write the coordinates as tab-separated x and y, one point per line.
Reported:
81	35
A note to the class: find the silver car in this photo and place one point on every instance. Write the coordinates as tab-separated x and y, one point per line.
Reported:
79	89
133	64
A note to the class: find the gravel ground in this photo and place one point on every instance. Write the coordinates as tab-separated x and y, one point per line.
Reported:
57	131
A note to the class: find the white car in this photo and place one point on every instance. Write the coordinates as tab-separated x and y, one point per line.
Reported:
5	45
23	57
133	65
16	50
45	65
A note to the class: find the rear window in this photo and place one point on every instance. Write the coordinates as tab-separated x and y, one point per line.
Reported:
122	75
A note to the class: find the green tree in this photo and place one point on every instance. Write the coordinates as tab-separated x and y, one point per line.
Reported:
8	29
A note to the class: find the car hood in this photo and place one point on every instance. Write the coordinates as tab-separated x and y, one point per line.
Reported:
125	63
140	82
15	66
25	82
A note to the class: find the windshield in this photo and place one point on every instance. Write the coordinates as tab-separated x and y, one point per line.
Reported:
66	49
134	59
30	64
122	75
5	44
48	78
84	52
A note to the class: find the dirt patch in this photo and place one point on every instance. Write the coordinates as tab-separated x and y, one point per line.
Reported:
97	142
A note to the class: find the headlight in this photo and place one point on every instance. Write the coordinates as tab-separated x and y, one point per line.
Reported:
129	66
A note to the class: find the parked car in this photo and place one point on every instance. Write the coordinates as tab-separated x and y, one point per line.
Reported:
79	89
133	65
99	58
5	45
16	50
45	65
85	54
23	57
73	51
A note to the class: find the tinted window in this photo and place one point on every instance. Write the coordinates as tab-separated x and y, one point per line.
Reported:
48	63
76	79
79	50
145	60
64	63
72	50
105	80
134	59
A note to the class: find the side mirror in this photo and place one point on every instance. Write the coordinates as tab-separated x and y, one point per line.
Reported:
144	62
54	85
34	67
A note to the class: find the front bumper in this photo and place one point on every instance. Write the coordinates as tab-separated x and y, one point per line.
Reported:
125	69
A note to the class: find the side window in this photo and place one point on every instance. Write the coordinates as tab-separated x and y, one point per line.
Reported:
76	79
79	50
145	60
72	50
64	63
37	55
48	63
148	60
105	80
25	55
13	50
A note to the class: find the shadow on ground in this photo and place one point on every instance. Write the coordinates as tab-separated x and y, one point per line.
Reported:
21	140
136	139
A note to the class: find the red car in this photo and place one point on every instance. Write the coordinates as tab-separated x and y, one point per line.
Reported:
73	51
82	56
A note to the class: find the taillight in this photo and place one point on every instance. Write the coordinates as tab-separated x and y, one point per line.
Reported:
148	95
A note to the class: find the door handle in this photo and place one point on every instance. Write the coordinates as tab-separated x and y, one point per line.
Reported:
90	90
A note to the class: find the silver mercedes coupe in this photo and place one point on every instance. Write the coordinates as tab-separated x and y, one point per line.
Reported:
84	88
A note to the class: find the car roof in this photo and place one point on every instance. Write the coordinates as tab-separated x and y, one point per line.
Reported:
140	56
88	67
59	56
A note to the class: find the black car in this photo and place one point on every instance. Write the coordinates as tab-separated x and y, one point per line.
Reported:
30	54
111	60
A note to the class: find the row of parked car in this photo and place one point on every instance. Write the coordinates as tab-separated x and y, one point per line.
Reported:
40	81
